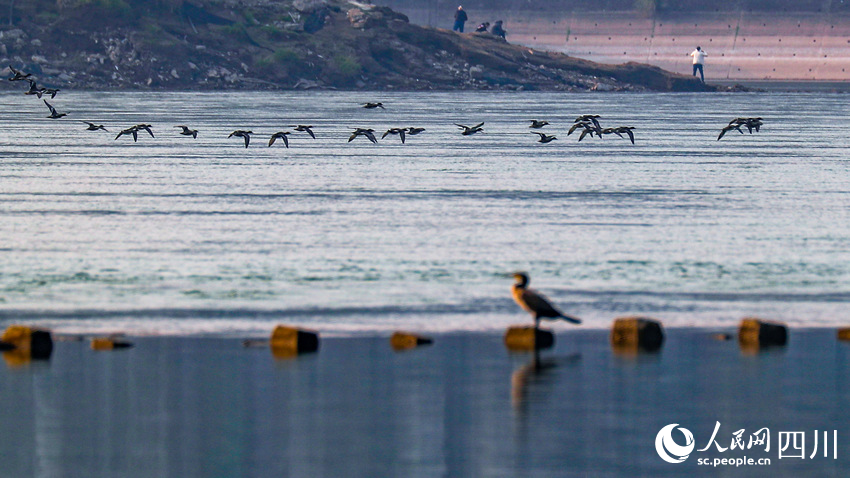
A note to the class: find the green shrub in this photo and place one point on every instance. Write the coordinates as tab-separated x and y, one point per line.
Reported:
347	65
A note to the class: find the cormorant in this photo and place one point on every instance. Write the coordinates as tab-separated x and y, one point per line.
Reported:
535	303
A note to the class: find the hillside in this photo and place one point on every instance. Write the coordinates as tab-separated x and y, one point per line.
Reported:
224	44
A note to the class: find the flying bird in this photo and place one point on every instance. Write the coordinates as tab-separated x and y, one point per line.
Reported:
131	130
535	303
627	130
414	131
592	118
538	124
18	75
304	128
53	113
281	135
729	128
94	127
470	130
545	138
368	133
370	106
399	131
246	135
188	132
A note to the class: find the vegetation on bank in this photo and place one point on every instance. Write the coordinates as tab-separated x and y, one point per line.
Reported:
250	44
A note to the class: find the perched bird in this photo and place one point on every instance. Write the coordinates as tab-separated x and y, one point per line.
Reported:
399	131
131	130
368	133
281	135
538	124
94	127
729	128
545	138
53	113
18	75
246	135
370	106
470	130
188	132
592	118
535	303
414	131
305	129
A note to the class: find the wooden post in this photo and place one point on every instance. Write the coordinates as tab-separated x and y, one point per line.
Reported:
631	335
405	340
528	338
754	334
287	342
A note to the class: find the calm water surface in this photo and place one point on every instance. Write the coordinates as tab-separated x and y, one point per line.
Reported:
172	235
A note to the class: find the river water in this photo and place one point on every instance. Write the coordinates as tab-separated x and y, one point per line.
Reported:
174	235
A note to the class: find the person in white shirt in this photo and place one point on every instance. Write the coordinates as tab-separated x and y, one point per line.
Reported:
699	60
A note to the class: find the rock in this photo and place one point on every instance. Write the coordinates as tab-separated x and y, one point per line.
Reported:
602	87
14	34
39	59
476	71
174	73
357	18
309	5
36	42
193	66
305	84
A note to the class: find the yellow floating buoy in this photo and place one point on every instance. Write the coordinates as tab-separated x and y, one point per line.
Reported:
287	342
109	343
527	338
406	340
755	333
630	335
22	343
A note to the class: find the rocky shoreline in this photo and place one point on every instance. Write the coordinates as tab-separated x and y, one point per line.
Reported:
300	44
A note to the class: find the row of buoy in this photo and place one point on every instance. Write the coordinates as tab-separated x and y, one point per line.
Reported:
629	336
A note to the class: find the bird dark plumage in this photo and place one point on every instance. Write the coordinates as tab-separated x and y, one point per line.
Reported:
370	106
537	124
188	132
414	131
18	75
53	113
281	135
369	133
729	128
627	130
535	303
94	127
131	130
470	130
592	118
246	135
545	138
304	128
399	131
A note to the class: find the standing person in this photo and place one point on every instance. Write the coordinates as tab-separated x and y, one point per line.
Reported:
699	60
498	30
460	19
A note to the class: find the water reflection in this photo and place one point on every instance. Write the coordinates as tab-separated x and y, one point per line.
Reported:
460	407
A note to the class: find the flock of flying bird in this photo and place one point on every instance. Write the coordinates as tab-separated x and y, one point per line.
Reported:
587	124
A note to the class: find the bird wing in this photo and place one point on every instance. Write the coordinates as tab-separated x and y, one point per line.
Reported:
310	132
385	134
231	134
247	139
722	132
401	134
540	306
463	127
271	140
52	109
371	137
353	135
595	121
584	133
478	126
631	135
285	141
148	129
